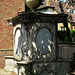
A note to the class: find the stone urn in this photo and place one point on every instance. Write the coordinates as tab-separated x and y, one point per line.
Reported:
33	4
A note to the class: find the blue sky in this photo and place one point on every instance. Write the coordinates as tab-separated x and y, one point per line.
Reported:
63	0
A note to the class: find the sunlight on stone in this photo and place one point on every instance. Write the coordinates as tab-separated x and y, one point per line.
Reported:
25	47
35	28
34	35
17	36
52	43
34	71
49	48
67	74
38	56
32	27
47	54
25	52
18	56
30	31
51	74
24	43
29	53
44	56
42	42
38	24
34	45
49	41
22	70
25	58
45	63
43	47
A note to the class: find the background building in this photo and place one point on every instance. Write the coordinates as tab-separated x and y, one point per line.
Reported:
8	9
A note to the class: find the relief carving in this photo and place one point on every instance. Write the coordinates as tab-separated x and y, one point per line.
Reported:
44	67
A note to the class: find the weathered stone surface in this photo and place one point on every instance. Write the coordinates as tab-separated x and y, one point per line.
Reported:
23	17
24	68
9	63
18	44
31	48
43	41
35	48
52	68
38	44
66	50
17	66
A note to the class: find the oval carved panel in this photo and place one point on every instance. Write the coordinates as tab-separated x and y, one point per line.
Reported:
43	41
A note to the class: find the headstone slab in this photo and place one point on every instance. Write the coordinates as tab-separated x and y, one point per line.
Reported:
35	40
35	35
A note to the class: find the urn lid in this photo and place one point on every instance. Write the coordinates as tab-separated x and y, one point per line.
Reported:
33	4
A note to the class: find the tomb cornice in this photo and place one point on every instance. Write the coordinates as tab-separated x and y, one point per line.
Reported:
24	17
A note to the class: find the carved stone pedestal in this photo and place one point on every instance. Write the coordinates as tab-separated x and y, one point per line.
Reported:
51	68
35	39
19	67
24	68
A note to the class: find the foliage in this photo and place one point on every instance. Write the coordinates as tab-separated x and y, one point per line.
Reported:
72	34
62	36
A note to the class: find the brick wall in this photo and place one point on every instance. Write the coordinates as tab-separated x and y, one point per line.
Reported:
4	53
8	10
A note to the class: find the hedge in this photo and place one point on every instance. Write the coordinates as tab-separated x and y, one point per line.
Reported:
62	36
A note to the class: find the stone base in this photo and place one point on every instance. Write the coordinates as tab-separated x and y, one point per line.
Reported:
51	68
18	67
60	67
24	68
9	63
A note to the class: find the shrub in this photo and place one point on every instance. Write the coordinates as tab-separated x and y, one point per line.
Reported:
62	36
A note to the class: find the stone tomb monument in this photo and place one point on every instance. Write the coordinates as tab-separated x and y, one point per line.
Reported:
35	45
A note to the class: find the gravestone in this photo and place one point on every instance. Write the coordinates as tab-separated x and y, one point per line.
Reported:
35	40
35	44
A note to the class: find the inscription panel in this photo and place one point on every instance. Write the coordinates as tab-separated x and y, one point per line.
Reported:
43	41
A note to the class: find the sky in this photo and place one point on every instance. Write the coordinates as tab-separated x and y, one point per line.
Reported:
63	0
